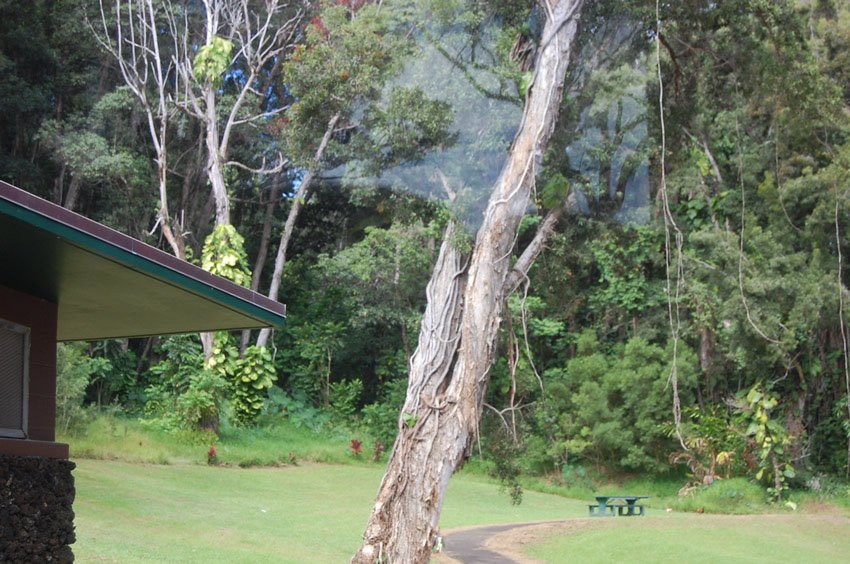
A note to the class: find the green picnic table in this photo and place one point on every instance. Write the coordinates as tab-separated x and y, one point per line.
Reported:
623	505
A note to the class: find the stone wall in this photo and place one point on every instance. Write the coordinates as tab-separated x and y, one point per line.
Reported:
36	514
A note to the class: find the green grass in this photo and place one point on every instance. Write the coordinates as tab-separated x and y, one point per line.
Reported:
112	438
474	500
192	513
149	496
305	513
316	513
679	538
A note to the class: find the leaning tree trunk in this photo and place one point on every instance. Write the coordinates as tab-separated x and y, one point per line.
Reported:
301	196
449	371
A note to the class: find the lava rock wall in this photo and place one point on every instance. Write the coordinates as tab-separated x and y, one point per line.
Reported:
36	513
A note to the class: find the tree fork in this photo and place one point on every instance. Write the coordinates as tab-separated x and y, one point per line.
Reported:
449	371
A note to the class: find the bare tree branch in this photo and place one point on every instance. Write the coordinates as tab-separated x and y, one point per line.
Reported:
258	38
136	49
282	163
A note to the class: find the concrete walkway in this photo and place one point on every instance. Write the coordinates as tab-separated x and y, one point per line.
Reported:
467	545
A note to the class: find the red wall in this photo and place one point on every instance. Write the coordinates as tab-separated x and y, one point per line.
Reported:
40	316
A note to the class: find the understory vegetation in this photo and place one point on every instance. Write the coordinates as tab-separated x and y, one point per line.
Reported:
686	323
289	442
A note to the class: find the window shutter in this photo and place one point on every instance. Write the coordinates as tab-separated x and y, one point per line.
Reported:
14	353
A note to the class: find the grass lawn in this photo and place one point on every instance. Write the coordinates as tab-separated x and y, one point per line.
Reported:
191	513
306	513
148	496
679	537
130	512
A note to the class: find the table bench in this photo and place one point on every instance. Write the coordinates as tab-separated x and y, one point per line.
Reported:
622	505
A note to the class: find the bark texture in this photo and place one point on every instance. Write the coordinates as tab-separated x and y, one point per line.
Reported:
449	371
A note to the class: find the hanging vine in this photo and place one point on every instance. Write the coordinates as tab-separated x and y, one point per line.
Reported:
841	324
673	234
741	252
251	375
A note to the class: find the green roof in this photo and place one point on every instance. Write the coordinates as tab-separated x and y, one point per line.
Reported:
107	284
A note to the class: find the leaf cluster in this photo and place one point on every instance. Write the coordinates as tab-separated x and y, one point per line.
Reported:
224	255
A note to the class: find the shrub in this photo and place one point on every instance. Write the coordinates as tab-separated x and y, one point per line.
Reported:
735	496
610	408
297	409
381	417
575	477
184	395
74	370
345	397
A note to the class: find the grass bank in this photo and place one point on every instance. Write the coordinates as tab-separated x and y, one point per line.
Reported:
108	437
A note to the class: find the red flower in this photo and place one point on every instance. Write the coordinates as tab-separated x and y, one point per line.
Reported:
211	458
320	26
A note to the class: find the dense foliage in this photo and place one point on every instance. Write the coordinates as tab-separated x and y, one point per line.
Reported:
722	250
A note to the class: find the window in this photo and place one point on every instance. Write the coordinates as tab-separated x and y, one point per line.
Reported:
14	376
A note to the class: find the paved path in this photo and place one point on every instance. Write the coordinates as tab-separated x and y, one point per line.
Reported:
468	545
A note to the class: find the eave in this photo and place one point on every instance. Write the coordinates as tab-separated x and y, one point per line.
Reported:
107	284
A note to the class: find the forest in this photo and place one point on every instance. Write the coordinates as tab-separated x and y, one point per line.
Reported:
684	308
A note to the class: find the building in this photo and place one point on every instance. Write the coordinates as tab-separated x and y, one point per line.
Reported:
64	277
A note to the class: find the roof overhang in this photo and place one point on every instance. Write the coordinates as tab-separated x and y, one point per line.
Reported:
107	284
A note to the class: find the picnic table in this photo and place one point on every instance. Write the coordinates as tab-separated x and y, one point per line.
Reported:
624	505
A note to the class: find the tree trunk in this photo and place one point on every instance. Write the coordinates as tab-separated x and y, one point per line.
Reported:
59	185
298	201
173	236
301	196
215	174
449	371
73	192
207	343
215	160
263	252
